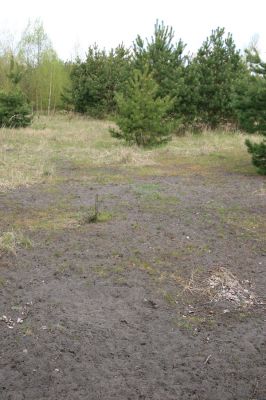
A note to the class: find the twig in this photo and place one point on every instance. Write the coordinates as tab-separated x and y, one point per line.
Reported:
207	359
96	206
256	385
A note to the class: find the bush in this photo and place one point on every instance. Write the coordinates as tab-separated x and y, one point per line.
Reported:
250	107
14	110
258	151
141	113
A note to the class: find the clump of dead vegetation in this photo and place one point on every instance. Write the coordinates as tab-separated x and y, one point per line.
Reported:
220	286
225	286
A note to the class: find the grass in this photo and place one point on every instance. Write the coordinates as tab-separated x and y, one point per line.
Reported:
89	216
170	298
2	282
152	197
244	221
84	147
111	272
70	268
192	323
11	241
190	249
50	218
55	149
142	265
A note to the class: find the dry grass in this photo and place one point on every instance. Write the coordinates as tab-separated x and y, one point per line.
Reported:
11	241
35	154
225	286
220	285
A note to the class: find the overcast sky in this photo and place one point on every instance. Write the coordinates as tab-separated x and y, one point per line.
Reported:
74	25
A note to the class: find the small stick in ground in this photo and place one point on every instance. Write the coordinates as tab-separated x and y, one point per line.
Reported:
94	218
207	359
96	209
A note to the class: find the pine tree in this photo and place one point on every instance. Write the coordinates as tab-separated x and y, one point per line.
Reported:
251	108
15	111
251	95
258	152
165	60
217	66
95	81
141	116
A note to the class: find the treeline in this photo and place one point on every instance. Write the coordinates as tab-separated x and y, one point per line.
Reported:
210	88
153	89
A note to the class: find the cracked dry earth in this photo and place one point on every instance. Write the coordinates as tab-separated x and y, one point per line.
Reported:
129	307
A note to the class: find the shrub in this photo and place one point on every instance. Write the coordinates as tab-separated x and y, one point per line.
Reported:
258	151
14	110
250	106
141	113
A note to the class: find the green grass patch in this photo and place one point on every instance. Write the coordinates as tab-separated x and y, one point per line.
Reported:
244	221
170	298
89	216
143	265
190	249
113	272
192	323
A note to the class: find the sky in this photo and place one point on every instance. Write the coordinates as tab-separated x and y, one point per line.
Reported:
74	25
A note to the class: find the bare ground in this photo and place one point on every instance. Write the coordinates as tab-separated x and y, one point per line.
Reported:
163	299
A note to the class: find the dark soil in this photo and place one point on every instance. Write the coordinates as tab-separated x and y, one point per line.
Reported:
118	309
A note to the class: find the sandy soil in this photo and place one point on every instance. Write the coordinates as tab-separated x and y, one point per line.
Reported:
165	299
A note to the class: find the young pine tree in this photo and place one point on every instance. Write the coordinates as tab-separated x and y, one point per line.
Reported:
258	152
251	107
141	115
95	81
166	61
217	66
15	111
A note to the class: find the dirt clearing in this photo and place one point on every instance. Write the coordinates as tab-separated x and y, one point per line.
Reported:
163	298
